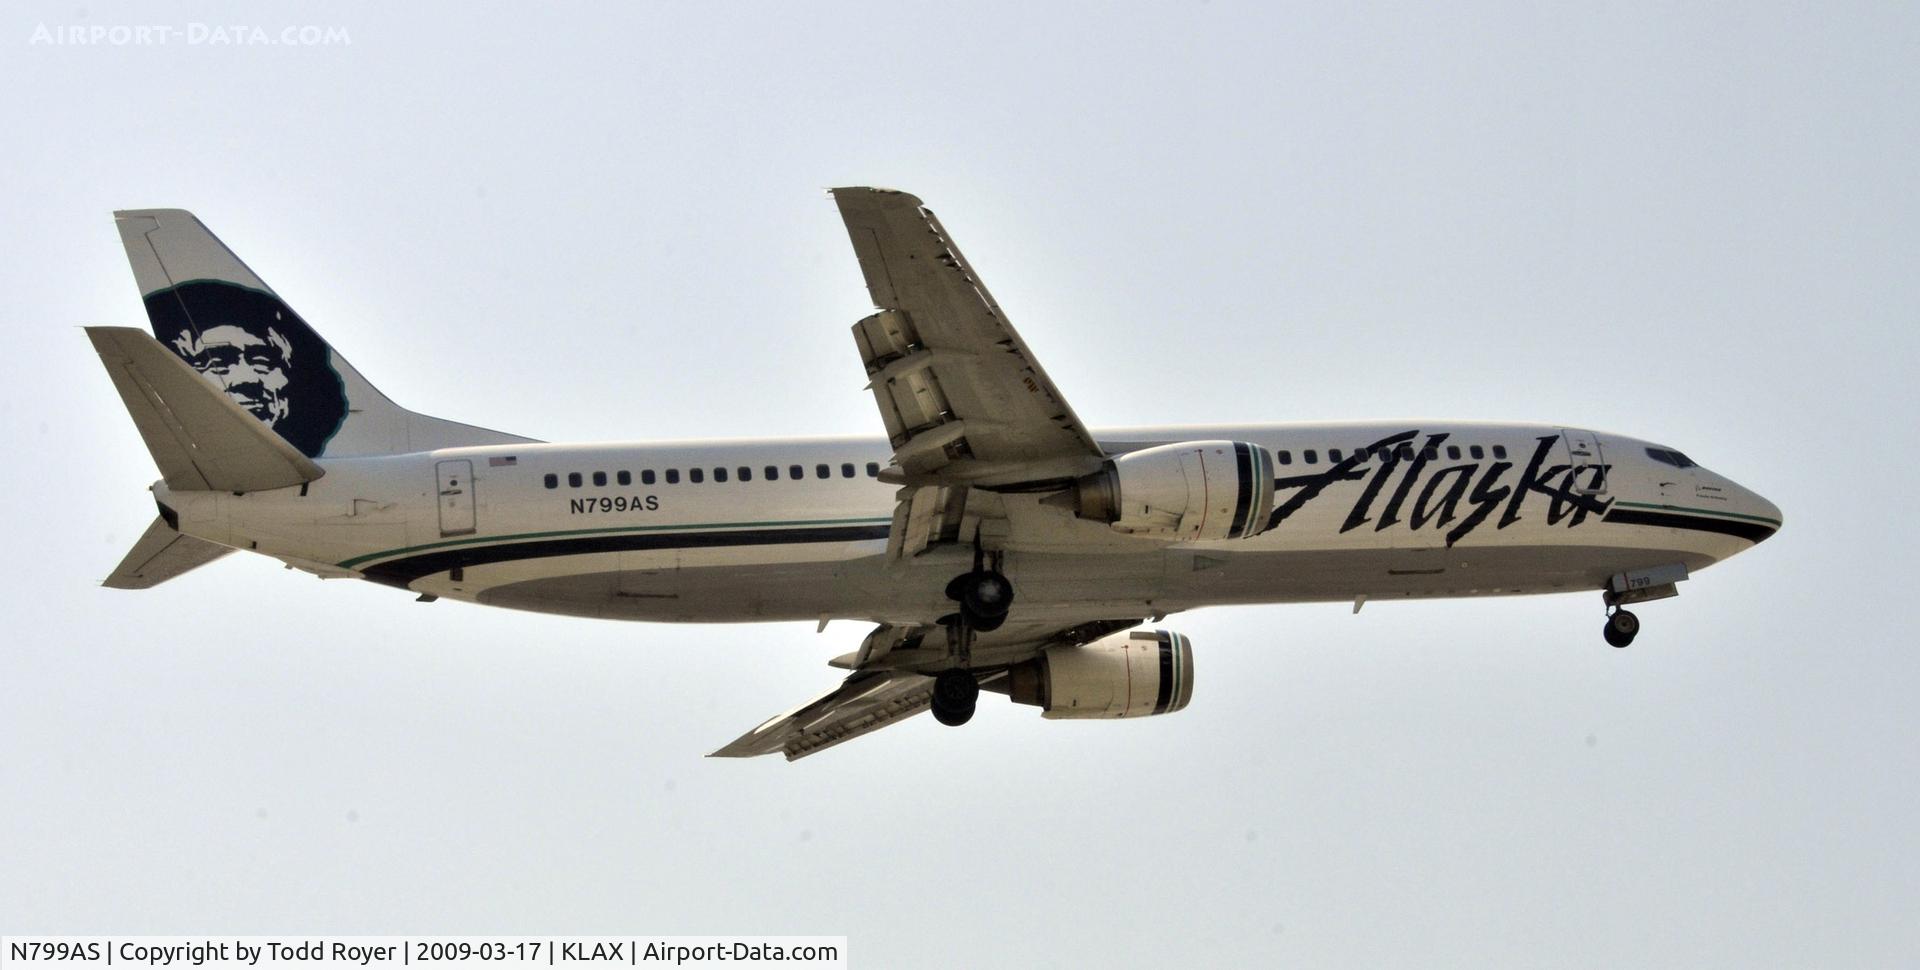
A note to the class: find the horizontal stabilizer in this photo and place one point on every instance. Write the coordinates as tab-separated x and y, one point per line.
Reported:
201	438
160	555
866	701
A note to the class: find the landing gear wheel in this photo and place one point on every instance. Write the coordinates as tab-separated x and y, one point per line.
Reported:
955	694
985	597
1621	628
987	594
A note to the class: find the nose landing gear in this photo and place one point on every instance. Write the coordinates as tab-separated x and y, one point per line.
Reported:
1621	627
1638	586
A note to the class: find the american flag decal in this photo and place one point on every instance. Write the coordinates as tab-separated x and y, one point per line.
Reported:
506	462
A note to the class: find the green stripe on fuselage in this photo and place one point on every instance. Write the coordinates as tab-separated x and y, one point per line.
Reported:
614	530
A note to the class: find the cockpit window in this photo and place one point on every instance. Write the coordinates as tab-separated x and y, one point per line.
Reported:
1668	456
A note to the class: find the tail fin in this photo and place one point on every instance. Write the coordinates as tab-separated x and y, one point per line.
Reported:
211	310
161	555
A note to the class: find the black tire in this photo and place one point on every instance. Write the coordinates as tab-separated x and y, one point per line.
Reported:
986	624
986	595
955	695
954	687
952	718
1621	628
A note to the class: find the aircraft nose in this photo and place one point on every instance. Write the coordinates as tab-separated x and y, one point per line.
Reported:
1763	512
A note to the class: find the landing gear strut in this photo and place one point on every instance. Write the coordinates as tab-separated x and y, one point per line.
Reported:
1621	627
955	693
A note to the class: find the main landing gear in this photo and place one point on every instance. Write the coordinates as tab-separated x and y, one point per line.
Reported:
1621	627
985	595
955	692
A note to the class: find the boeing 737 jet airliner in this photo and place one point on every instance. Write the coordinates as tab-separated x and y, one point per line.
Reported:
996	541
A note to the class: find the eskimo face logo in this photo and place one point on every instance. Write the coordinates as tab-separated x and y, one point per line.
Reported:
252	370
255	348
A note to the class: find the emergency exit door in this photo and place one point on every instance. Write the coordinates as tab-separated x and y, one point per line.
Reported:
456	496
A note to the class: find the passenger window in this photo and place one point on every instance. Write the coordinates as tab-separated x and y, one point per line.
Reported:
746	473
795	472
1312	457
773	473
646	477
1333	455
1499	451
696	475
573	479
553	481
1283	457
1453	452
599	479
846	469
1477	452
873	469
624	477
822	471
719	474
1429	453
673	476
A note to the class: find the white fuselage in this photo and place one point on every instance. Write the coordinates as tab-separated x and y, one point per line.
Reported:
1446	509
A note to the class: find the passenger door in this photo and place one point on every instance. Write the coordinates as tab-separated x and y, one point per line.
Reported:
455	481
1589	464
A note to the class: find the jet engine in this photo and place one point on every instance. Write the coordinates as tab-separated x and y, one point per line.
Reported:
1188	491
1131	674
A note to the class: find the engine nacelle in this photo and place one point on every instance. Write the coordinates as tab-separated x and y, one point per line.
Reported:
1188	491
1130	674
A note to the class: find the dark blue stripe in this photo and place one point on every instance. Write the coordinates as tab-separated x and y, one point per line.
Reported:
1165	695
401	572
1243	465
1750	531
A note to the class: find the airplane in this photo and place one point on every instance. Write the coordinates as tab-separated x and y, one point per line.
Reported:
995	541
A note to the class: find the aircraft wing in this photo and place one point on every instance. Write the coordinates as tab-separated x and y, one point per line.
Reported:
887	685
867	700
962	397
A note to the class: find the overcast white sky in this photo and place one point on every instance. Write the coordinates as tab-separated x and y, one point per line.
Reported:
1692	223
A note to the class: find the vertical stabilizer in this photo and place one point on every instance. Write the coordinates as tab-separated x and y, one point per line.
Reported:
207	307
